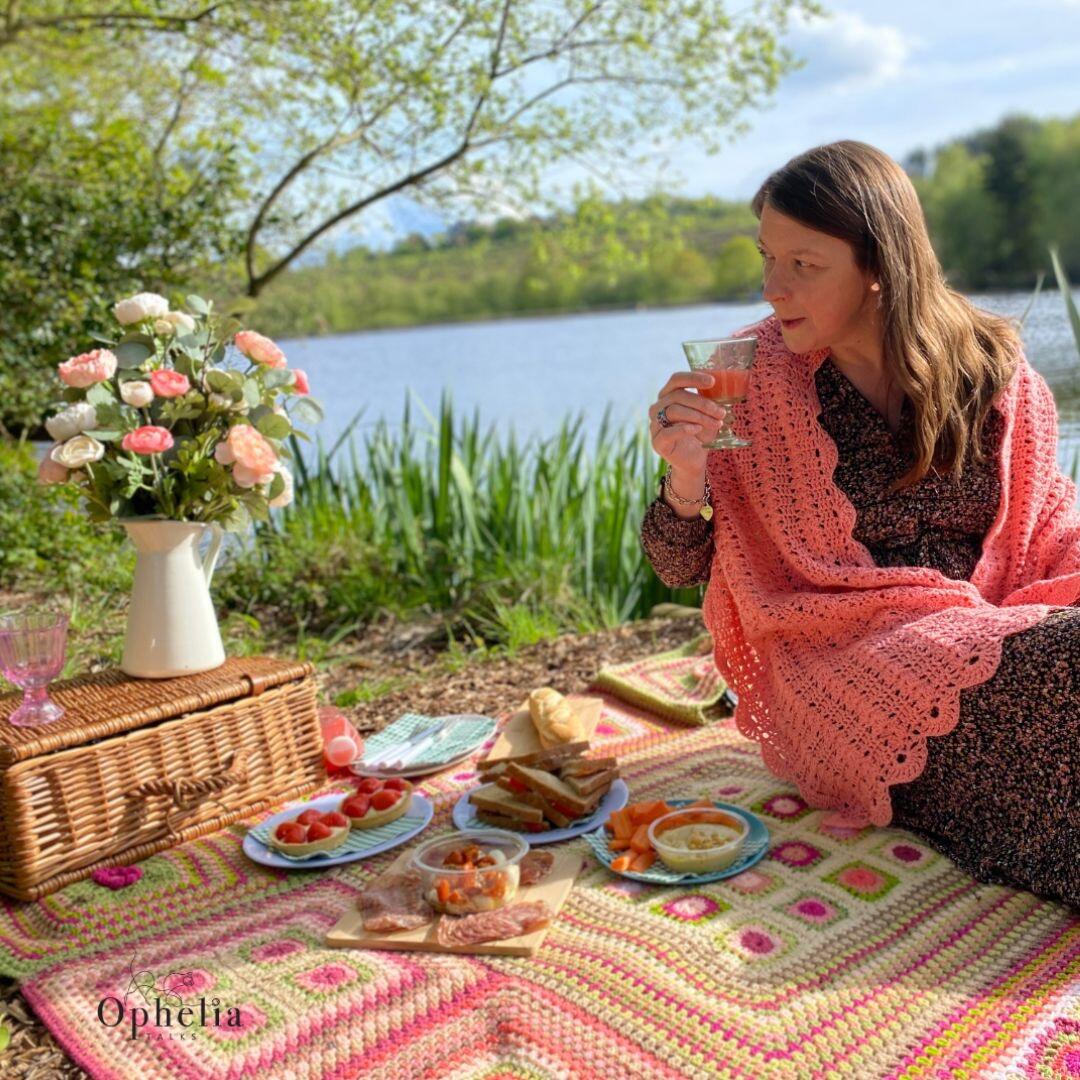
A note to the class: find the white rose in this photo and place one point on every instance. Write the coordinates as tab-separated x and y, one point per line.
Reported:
180	321
137	392
141	306
77	452
74	420
286	495
163	327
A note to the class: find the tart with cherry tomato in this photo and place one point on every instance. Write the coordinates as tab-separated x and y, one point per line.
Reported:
377	801
310	831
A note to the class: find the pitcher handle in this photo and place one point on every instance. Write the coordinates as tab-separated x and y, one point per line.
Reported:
217	534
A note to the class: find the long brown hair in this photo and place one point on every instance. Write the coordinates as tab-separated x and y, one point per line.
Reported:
950	357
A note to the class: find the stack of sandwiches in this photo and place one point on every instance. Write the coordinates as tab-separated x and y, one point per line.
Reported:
552	788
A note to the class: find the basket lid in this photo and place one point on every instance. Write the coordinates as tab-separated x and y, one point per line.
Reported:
109	702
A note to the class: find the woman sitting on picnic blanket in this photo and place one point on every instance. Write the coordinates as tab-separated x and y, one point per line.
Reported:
891	564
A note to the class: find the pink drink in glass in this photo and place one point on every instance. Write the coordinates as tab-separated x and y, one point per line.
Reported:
729	385
32	647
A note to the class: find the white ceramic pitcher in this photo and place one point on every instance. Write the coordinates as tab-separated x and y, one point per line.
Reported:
172	628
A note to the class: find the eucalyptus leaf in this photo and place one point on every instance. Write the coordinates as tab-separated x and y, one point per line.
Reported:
220	382
273	426
198	304
277	486
100	394
308	409
276	377
104	436
138	336
103	339
259	412
252	393
132	353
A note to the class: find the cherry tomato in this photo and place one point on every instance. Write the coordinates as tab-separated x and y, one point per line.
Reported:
369	785
383	800
289	832
308	816
395	783
334	819
318	830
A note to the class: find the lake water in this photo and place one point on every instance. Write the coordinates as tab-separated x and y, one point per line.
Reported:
527	374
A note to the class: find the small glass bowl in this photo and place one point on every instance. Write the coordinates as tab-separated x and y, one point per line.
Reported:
699	860
456	891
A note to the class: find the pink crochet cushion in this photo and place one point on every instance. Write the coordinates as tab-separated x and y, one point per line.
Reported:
843	669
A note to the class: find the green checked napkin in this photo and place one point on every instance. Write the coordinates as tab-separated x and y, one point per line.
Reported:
467	732
359	840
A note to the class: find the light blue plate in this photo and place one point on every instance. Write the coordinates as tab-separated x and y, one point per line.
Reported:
361	844
756	845
617	797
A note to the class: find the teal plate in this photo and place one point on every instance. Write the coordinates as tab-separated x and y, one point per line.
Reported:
757	844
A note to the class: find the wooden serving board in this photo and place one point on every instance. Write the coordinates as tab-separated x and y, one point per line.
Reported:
518	736
349	933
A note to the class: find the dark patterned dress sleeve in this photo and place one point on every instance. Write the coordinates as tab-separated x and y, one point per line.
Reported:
680	549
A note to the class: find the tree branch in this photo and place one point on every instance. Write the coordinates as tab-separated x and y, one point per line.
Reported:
13	25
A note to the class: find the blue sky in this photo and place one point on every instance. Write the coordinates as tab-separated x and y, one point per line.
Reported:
897	75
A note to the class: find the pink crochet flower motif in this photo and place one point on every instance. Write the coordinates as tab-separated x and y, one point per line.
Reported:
117	877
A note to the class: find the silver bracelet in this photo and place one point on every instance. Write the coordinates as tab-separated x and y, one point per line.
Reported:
706	510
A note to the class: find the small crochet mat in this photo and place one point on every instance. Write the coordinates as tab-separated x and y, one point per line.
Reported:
681	685
841	953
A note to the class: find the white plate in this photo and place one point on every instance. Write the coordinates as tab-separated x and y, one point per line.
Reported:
461	753
617	797
420	812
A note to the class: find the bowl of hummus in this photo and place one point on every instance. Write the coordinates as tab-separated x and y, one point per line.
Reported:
699	840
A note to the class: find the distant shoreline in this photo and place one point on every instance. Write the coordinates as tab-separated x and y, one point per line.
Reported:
595	309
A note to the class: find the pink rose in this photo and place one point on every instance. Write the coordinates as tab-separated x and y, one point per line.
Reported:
248	478
300	383
251	449
168	383
88	368
148	439
260	349
49	471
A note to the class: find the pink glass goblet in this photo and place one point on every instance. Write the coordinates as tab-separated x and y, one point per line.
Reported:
32	646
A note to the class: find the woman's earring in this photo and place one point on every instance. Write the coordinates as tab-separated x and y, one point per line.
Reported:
875	287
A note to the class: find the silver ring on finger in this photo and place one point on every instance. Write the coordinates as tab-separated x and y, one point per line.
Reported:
661	416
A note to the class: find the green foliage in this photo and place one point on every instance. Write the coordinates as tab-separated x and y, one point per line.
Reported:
994	201
89	212
737	269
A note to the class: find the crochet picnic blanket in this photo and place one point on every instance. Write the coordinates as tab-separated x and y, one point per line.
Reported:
843	952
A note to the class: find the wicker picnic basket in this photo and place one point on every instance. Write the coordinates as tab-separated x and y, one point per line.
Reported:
138	765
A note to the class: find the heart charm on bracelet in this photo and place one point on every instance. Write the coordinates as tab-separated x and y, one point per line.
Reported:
706	512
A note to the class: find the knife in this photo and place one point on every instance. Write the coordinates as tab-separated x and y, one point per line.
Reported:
415	753
398	748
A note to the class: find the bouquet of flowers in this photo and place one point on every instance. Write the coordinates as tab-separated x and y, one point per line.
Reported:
183	417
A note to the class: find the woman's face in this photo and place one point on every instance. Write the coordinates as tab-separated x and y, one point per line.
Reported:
814	287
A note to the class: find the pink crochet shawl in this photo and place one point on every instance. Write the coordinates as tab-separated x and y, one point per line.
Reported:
843	669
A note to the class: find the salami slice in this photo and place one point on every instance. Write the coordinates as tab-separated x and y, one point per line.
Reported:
536	866
511	921
394	901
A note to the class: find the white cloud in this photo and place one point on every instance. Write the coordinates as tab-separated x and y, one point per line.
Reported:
845	52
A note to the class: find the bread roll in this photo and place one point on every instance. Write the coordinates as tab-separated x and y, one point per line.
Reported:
554	718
